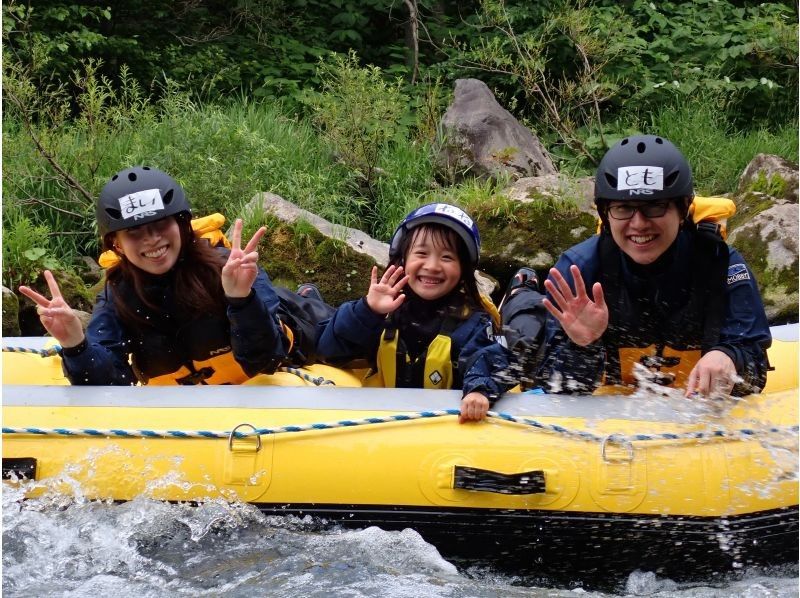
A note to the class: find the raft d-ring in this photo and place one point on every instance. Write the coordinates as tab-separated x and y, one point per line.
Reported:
233	434
625	443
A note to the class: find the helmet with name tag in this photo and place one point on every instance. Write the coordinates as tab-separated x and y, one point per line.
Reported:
138	195
641	168
444	214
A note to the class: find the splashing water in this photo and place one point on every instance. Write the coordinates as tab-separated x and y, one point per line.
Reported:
75	547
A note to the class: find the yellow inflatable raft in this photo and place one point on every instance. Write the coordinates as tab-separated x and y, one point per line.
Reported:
555	485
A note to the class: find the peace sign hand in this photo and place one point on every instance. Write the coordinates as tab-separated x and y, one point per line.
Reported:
241	269
56	316
582	319
384	297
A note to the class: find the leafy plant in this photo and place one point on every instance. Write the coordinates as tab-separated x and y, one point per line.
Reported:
26	251
358	112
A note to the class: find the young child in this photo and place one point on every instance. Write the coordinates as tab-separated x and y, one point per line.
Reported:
423	324
174	309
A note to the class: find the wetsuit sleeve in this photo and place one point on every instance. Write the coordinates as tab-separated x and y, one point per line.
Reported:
104	360
353	332
745	335
484	361
257	339
569	368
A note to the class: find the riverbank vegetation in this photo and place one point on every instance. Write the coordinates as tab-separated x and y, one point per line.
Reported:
335	105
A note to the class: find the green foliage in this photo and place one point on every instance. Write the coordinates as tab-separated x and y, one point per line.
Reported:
582	67
366	122
358	112
746	51
26	251
716	149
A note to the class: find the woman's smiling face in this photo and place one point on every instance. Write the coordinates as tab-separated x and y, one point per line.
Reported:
153	247
432	263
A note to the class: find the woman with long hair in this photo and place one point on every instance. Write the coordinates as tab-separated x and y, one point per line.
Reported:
174	310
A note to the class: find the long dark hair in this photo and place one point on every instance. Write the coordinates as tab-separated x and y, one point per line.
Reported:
443	236
197	279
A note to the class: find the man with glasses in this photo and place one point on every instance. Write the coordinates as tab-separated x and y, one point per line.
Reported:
653	288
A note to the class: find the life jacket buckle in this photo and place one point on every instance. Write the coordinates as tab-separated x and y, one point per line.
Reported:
706	226
198	377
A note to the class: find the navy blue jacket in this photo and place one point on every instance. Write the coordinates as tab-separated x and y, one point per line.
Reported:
354	332
744	334
251	331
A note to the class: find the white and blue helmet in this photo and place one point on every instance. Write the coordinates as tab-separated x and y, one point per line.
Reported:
444	214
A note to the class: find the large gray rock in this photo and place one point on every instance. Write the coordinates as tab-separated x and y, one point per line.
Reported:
483	138
769	243
10	313
557	187
771	175
288	212
357	240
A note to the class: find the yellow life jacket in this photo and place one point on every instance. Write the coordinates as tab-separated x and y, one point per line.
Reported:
671	368
437	369
220	369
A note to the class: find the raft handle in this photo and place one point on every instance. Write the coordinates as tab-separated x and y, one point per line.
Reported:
485	480
19	468
255	433
626	444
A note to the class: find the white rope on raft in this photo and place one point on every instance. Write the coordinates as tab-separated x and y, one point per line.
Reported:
744	433
580	434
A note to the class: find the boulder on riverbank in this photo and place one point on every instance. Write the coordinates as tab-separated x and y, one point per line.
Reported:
481	138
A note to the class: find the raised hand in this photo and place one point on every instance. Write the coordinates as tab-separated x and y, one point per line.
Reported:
56	316
384	296
582	319
241	269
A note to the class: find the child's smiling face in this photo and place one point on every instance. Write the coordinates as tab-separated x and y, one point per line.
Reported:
432	263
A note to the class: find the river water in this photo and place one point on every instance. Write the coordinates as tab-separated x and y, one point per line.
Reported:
69	546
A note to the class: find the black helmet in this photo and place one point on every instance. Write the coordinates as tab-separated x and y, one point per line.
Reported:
138	195
643	167
444	214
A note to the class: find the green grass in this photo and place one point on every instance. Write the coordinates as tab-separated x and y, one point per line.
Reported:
718	154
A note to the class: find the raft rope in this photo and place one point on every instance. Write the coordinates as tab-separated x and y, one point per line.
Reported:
50	352
745	433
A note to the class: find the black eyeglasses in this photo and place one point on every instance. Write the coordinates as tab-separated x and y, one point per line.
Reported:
625	211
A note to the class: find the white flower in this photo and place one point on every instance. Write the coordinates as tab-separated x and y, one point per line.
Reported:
676	84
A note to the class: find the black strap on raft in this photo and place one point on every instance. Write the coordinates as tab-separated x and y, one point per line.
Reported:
19	468
485	480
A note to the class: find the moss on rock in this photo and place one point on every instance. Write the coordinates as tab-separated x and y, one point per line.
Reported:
295	254
533	234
